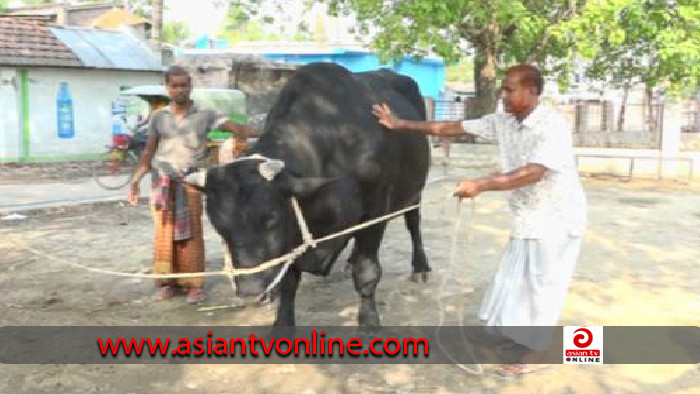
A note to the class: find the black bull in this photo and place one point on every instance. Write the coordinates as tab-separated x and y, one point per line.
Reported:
342	166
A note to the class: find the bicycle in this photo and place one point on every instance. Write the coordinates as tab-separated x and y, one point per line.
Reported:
116	168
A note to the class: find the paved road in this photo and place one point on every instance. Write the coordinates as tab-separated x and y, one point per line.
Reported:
41	195
18	198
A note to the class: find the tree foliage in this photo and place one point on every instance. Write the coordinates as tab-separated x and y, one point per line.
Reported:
142	8
244	22
175	32
501	32
656	42
35	2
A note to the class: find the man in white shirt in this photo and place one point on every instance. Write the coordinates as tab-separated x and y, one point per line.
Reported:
547	203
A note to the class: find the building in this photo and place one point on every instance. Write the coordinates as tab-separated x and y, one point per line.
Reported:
99	15
42	67
429	72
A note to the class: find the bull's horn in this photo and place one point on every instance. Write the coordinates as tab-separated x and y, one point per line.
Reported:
270	168
198	179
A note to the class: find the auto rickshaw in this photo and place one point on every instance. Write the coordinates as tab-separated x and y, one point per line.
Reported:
115	170
230	102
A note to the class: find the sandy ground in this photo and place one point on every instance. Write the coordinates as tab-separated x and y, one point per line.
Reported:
639	266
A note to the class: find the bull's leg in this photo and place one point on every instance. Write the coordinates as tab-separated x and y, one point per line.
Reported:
288	292
421	268
353	257
366	272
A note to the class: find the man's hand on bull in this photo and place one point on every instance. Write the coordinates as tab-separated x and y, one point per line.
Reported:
385	117
441	128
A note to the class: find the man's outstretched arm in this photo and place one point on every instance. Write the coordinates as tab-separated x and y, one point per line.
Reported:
439	128
239	130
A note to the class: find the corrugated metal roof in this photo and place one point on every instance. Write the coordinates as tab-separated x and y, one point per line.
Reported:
107	48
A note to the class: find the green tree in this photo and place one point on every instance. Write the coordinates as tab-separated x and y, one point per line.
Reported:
499	31
462	71
243	22
175	32
655	42
142	8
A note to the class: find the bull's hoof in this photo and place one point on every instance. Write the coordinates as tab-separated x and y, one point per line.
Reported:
368	320
266	299
348	268
420	277
367	333
280	331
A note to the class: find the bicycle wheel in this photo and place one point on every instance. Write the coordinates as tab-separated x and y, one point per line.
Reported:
114	170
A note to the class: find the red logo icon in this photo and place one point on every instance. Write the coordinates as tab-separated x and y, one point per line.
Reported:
583	345
584	339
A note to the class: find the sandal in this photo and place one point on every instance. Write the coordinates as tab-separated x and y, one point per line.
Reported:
195	295
164	293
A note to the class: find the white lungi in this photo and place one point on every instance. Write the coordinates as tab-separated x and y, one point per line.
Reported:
530	287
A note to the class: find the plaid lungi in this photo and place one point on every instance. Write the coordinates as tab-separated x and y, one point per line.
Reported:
184	256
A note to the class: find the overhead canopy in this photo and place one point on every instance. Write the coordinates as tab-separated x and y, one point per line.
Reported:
230	102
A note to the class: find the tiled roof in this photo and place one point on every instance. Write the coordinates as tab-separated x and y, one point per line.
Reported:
28	42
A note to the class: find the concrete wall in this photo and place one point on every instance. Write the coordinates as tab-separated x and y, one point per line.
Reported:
92	92
625	139
640	163
10	132
648	163
595	124
690	141
257	78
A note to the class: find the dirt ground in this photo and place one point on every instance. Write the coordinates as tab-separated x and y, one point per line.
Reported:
639	266
17	174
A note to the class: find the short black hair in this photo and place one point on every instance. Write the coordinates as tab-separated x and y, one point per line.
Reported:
176	71
529	75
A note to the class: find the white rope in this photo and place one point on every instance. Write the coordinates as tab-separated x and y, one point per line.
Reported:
308	241
449	274
230	272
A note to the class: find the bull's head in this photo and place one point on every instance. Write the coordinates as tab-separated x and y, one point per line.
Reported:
248	203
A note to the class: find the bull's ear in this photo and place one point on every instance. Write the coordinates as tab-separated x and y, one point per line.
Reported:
300	187
197	179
